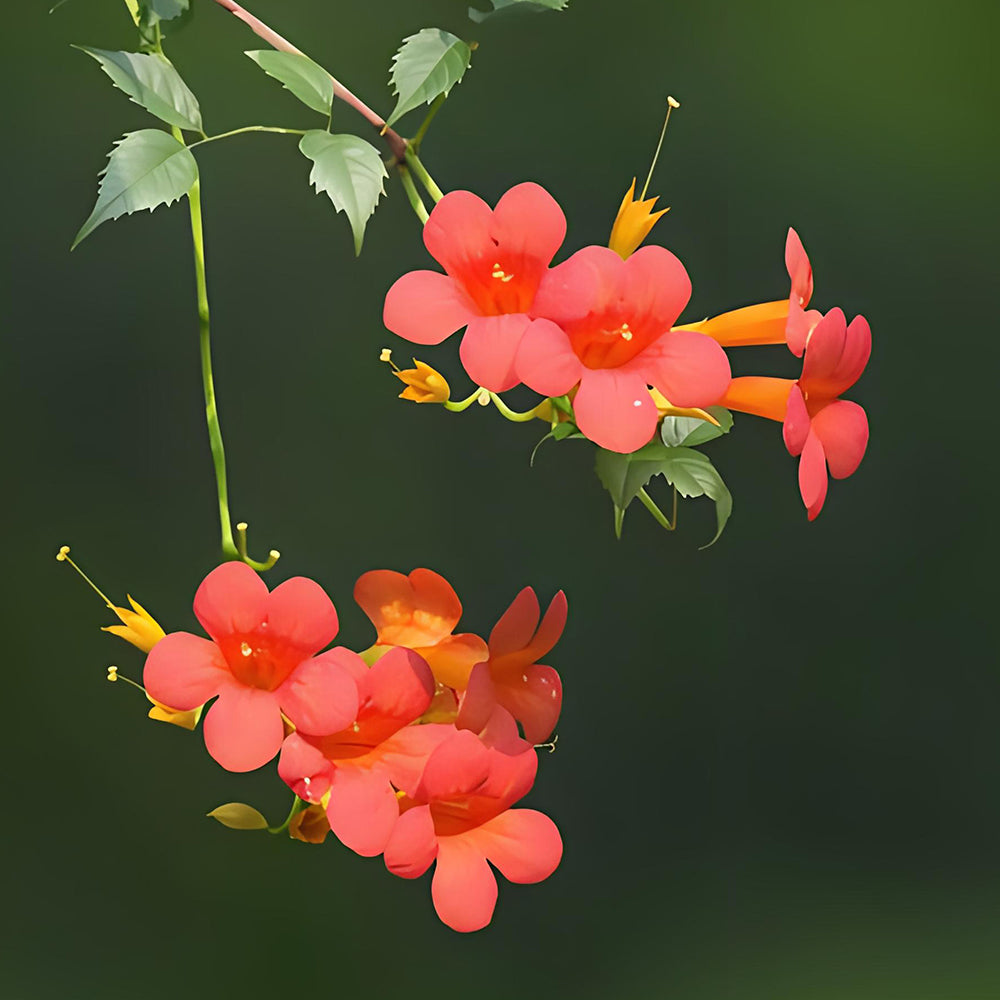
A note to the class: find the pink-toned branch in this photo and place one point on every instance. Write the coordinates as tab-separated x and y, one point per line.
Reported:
396	141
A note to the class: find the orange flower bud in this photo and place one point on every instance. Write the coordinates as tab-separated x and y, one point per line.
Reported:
633	223
423	384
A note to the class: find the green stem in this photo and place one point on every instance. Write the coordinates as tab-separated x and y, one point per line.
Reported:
510	414
416	202
426	123
463	404
247	128
420	172
298	805
658	515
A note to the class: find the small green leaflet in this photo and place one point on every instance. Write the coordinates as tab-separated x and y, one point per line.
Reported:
504	6
691	431
623	476
146	169
165	10
238	816
427	65
151	82
350	171
309	82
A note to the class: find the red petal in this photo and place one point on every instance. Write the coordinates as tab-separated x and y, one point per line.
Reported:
534	698
836	355
529	221
464	887
656	286
842	427
300	613
232	599
184	671
796	427
320	696
489	347
398	688
243	729
812	475
458	231
405	755
426	307
412	845
362	810
300	760
546	361
799	268
614	408
478	701
690	369
524	844
517	624
589	281
457	767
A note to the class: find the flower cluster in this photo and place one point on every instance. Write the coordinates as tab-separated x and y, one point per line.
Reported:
417	749
598	333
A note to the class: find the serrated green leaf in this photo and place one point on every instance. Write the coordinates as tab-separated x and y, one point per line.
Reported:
427	65
505	6
146	169
166	10
624	475
693	475
151	81
307	80
238	816
690	431
350	171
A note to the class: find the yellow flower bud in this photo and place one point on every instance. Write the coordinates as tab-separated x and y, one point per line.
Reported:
137	626
633	223
423	384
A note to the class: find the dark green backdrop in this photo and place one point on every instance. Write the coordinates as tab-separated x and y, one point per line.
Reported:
778	769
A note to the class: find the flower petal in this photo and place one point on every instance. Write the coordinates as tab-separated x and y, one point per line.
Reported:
464	888
458	231
523	843
304	769
362	810
243	729
534	698
690	369
836	355
478	701
412	845
413	611
320	696
796	426
300	613
546	360
842	427
812	475
426	307
399	687
656	285
516	625
489	347
589	281
614	408
457	767
232	599
529	222
184	671
799	268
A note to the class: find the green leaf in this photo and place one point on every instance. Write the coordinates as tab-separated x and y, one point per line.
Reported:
691	431
146	169
693	475
151	82
505	6
238	816
308	81
624	475
427	65
166	10
350	171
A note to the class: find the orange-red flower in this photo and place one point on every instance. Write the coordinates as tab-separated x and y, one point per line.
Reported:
420	611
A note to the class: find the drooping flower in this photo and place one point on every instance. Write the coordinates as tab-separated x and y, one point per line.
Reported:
420	611
459	815
826	431
605	323
493	261
779	322
138	626
423	384
634	222
261	662
513	678
353	771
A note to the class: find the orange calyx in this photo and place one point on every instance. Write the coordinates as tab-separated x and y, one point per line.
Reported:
633	223
423	384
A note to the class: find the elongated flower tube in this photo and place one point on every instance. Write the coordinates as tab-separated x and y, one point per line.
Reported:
604	324
493	261
261	662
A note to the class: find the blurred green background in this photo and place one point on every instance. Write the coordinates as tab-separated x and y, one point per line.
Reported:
778	766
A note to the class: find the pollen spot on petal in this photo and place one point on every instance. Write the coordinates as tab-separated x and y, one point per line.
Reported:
246	649
356	727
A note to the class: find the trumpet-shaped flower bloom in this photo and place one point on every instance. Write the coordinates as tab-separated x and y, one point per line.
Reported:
605	323
354	770
513	678
826	431
459	815
420	612
261	662
493	261
779	322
